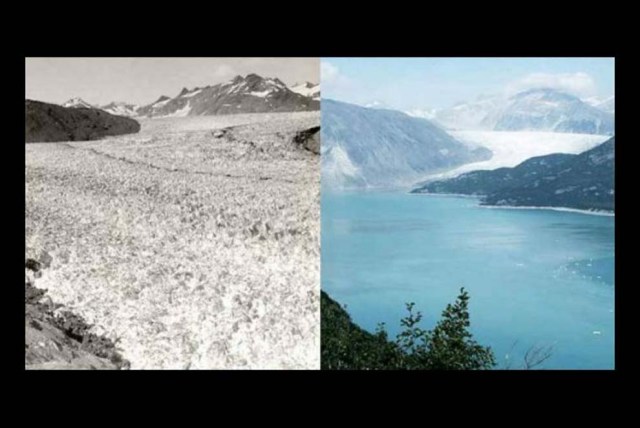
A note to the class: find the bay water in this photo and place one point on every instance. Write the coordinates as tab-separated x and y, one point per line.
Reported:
536	278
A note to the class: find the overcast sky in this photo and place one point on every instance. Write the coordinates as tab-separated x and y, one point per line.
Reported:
408	83
143	80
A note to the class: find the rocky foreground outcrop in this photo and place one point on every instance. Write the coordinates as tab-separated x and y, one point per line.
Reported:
59	339
309	139
49	123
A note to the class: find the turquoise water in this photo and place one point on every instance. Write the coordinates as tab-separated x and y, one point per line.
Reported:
535	277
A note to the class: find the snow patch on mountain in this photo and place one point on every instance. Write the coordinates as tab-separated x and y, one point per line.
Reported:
120	109
249	94
607	104
261	94
307	89
429	114
192	93
183	112
540	109
77	102
551	110
275	82
161	103
478	114
378	105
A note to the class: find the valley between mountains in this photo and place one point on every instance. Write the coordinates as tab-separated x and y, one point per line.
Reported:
477	148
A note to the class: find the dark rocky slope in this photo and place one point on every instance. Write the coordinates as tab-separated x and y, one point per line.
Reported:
49	122
60	340
309	139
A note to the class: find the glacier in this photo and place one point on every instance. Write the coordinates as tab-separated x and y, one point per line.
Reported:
510	148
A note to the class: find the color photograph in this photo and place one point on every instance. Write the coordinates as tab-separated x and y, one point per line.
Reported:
468	213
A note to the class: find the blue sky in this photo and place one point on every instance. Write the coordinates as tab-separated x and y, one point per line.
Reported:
408	83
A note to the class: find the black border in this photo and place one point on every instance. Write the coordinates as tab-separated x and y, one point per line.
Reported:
561	42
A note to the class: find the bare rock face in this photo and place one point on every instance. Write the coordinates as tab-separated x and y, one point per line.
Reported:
60	341
309	139
49	123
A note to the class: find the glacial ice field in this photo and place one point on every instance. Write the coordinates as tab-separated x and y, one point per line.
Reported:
194	244
513	147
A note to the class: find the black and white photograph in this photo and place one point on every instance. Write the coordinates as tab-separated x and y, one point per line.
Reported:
172	213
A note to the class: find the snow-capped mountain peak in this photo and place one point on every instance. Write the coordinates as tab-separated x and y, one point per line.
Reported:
425	113
607	104
162	99
307	85
307	89
120	108
376	104
242	94
249	94
537	109
77	102
477	114
545	94
546	109
255	85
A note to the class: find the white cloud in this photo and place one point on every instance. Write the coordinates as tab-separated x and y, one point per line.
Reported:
328	72
579	84
224	71
331	77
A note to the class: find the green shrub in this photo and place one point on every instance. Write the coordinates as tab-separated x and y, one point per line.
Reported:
449	346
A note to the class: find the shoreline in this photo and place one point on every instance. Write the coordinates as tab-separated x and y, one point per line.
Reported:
516	207
561	209
448	195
